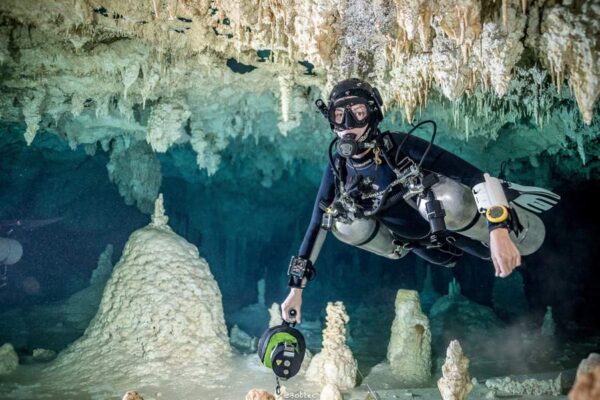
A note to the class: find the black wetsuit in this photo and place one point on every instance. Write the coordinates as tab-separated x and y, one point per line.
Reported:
403	220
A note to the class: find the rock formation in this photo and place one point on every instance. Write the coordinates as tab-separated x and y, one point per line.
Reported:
428	294
160	316
456	317
409	350
455	383
334	364
242	341
275	315
102	272
588	364
259	394
476	64
548	326
587	385
9	360
330	392
132	395
528	387
43	355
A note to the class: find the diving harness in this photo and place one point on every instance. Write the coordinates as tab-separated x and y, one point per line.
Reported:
411	183
449	206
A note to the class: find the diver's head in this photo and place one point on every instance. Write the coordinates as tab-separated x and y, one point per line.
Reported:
354	104
355	109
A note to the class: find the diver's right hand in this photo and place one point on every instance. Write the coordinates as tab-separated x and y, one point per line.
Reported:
293	301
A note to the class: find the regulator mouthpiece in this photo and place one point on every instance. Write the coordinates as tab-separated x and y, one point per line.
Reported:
347	146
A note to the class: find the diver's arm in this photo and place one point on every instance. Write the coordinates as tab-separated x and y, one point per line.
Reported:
505	255
310	247
439	160
315	235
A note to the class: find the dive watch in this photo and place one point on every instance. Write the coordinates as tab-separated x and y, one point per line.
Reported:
497	214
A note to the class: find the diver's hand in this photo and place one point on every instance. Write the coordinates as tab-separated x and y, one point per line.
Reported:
505	255
294	300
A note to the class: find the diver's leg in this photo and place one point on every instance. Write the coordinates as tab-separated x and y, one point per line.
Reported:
446	257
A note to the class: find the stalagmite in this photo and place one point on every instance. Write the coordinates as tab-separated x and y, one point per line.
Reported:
275	315
259	394
548	326
455	383
160	316
331	392
334	364
409	350
9	360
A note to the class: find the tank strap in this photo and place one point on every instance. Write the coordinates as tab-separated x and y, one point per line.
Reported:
470	224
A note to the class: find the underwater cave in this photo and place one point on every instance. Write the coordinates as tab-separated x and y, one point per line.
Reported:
162	171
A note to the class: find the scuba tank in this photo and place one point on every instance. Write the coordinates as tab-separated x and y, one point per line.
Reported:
462	216
368	234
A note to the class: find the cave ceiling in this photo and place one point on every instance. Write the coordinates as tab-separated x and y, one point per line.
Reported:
109	74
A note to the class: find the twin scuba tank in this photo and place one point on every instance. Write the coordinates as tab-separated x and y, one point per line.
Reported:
461	216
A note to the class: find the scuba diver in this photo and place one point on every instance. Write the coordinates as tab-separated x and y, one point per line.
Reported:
392	193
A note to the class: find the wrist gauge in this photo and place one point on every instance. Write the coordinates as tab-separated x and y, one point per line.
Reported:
497	214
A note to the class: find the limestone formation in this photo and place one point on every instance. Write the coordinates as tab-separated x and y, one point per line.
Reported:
132	395
428	295
125	77
102	272
548	326
588	364
9	360
260	288
136	171
587	385
275	315
43	355
242	341
259	394
528	387
334	364
331	392
409	350
160	316
455	383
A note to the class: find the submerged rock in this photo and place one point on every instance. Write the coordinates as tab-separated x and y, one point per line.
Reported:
454	383
242	341
528	387
9	360
548	326
335	364
588	364
330	392
132	395
43	355
160	316
409	350
587	386
259	394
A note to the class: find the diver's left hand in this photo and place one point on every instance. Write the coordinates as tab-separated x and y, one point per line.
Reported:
505	255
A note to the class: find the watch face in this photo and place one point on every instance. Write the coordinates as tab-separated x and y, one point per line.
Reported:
496	212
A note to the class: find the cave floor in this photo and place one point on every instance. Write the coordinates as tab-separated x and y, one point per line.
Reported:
246	374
